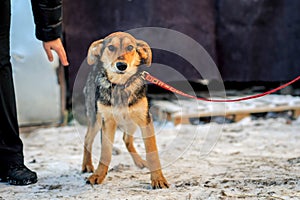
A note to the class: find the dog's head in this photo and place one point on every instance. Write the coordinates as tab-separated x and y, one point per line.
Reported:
120	54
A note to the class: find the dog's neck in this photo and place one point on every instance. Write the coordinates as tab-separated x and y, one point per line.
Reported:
127	94
103	79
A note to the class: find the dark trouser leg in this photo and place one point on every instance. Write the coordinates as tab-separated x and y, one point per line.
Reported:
11	146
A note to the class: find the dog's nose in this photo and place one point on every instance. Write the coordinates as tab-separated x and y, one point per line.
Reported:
121	66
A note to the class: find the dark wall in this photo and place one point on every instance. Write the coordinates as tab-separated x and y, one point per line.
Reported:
86	21
253	40
258	40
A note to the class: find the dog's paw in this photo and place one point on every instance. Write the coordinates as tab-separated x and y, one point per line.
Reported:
140	163
159	182
95	179
87	168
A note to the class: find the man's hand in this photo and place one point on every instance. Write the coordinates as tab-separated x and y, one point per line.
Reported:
57	46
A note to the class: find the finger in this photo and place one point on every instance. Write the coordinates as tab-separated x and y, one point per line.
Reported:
62	57
59	49
49	53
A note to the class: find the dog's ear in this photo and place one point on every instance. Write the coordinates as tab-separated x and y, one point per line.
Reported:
94	51
144	52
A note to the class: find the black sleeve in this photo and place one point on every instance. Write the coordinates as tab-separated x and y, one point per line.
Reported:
48	19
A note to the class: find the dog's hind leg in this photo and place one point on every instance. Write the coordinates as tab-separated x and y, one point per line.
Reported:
93	129
128	140
109	127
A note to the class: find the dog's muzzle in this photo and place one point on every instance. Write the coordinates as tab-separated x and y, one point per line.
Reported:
121	66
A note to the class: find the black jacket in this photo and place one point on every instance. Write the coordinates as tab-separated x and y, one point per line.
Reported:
48	19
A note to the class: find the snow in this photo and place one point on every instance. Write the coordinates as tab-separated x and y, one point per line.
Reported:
251	159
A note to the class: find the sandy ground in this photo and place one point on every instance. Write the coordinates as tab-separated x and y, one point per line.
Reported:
252	159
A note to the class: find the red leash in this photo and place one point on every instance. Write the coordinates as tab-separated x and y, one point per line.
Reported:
156	81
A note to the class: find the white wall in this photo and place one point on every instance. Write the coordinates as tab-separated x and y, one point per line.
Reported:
36	83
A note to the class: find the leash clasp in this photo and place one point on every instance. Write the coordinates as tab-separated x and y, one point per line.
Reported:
144	74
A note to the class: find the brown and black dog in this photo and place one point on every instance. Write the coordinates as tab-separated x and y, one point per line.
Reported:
115	95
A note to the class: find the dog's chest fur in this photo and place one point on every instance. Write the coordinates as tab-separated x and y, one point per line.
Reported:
125	95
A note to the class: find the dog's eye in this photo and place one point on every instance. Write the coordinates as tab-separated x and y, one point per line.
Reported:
111	48
129	48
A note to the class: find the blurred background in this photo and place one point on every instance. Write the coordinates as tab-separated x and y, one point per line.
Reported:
254	43
251	41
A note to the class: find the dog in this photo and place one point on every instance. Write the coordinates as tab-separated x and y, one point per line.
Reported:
115	96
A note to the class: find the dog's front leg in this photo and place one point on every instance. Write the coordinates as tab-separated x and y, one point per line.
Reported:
108	132
93	128
157	178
